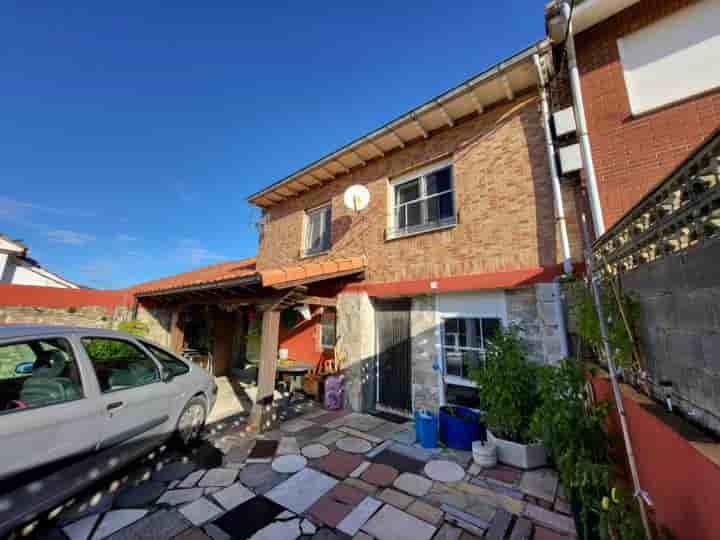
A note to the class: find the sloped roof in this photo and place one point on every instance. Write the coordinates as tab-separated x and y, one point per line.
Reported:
229	271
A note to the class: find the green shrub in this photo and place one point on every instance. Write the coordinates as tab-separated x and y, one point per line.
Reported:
507	386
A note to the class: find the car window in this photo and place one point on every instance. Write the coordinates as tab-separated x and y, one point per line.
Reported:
36	373
119	364
174	365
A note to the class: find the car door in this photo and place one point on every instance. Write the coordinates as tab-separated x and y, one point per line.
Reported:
134	398
48	411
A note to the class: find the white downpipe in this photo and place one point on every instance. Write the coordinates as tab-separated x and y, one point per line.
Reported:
554	178
583	137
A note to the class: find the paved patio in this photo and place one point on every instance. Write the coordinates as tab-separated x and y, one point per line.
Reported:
321	475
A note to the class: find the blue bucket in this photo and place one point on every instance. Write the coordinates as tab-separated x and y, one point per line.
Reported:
459	427
426	427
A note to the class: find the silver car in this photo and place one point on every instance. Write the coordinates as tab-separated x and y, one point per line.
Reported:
68	392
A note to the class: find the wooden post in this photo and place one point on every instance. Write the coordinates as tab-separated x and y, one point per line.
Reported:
177	333
262	413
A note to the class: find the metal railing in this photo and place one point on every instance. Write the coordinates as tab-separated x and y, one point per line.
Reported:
680	213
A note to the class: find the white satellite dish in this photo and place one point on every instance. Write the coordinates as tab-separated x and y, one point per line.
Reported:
356	197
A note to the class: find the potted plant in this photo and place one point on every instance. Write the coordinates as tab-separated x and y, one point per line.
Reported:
507	385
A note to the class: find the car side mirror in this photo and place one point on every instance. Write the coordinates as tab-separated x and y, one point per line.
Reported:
24	368
167	375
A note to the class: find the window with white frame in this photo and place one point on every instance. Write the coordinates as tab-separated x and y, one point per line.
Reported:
464	343
423	200
317	230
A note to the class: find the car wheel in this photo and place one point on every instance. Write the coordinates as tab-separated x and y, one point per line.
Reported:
192	420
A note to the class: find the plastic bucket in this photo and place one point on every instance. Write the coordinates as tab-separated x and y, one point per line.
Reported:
459	427
426	426
485	454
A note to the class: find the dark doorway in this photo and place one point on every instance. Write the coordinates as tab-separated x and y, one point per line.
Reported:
394	354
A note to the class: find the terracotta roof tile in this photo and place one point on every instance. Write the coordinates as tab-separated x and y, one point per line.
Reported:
229	270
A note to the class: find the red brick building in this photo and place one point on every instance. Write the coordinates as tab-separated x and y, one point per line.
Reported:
651	89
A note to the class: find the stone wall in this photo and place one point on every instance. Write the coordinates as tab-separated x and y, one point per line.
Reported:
158	321
88	316
424	332
356	348
534	309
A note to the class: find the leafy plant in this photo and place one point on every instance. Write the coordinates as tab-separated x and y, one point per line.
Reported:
587	326
134	327
507	385
572	430
100	349
620	517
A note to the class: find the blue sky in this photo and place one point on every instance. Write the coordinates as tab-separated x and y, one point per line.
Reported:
132	132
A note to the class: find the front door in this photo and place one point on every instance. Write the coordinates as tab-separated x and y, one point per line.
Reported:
394	354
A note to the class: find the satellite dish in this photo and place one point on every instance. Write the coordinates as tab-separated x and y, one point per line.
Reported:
356	197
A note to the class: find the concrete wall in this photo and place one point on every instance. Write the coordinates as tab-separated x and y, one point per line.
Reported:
679	327
158	321
424	332
533	308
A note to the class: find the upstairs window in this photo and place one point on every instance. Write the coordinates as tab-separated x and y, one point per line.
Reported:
423	201
317	230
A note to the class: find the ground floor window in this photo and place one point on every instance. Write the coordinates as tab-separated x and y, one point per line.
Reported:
464	343
328	332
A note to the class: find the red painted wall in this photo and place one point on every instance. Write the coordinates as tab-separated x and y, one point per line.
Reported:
55	297
303	341
682	482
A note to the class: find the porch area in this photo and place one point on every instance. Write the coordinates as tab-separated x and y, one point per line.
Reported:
260	333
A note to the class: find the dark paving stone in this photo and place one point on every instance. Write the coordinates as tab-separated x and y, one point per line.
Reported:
248	518
308	434
399	461
140	495
93	502
541	533
339	464
193	534
503	474
522	530
260	477
389	417
498	487
380	475
499	525
176	470
158	526
206	456
327	534
263	449
329	511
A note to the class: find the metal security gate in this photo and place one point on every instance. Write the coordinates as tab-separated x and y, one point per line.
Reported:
394	354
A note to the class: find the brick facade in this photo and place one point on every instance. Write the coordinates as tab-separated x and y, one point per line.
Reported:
502	193
632	154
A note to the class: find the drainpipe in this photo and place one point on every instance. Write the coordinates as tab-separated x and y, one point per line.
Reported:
582	131
550	147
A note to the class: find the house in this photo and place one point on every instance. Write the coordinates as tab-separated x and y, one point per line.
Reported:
650	88
17	268
459	238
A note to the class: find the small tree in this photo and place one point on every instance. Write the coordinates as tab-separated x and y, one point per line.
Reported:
507	385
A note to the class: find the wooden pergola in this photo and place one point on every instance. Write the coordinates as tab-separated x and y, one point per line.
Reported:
268	300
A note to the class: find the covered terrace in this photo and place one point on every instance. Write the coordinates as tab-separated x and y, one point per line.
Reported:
227	318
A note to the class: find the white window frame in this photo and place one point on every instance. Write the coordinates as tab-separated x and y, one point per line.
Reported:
323	225
456	379
421	174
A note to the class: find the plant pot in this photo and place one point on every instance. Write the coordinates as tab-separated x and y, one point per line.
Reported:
459	427
522	456
484	455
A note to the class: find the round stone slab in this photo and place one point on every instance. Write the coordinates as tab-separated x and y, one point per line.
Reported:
354	445
444	471
289	464
314	451
414	484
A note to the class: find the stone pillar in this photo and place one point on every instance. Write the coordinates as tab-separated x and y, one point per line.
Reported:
545	294
533	308
425	379
356	348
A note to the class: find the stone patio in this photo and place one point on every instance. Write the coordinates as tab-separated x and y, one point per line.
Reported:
321	475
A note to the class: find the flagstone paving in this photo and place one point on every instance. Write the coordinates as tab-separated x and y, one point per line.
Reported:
303	480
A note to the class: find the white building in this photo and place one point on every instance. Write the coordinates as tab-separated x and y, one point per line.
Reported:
17	268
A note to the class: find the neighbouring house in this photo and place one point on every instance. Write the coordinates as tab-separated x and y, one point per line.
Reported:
17	268
650	88
459	238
